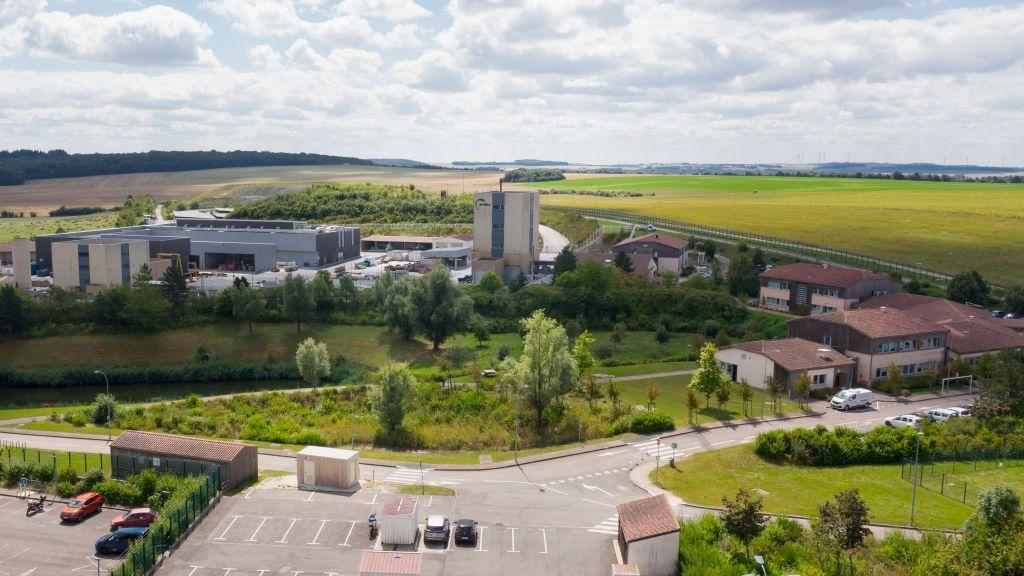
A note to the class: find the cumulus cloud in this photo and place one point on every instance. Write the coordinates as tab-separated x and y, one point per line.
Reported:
157	35
390	10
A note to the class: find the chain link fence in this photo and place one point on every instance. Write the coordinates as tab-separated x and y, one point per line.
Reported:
956	475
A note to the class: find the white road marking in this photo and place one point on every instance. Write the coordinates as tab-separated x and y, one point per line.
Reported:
230	524
228	571
555	490
602	490
27	572
248	493
480	540
374	501
749	437
430	501
612	453
722	442
596	502
258	528
320	529
13	556
513	540
350	529
310	499
544	534
194	568
608	526
262	572
284	539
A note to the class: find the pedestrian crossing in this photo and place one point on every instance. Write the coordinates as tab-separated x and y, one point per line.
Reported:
608	526
651	448
406	476
583	477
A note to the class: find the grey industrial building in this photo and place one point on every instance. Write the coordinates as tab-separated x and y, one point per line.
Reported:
231	244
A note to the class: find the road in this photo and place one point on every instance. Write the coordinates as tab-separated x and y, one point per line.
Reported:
554	241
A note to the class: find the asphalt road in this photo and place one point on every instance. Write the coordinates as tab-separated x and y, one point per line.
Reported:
554	241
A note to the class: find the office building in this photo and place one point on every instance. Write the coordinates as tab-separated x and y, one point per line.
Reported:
88	264
803	288
505	229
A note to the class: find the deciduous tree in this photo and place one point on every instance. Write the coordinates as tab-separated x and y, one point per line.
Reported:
546	365
313	361
249	304
708	378
391	395
298	300
742	517
440	308
565	261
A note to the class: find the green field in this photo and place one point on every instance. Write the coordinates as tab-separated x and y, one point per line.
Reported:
945	226
707	476
672	401
32	227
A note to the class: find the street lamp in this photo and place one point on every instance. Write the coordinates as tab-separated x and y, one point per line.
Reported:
109	407
913	497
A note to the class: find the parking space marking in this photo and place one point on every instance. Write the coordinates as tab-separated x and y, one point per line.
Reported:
544	534
480	543
258	528
27	572
230	524
194	568
310	499
318	531
350	529
596	502
513	540
248	493
16	554
228	571
284	538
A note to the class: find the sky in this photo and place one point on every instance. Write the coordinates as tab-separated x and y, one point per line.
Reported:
589	81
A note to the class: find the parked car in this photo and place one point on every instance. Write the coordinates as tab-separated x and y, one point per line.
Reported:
651	228
135	518
438	528
118	542
905	421
942	414
996	313
852	398
467	531
961	411
83	505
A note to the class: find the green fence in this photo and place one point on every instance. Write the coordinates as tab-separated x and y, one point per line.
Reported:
43	466
177	515
955	475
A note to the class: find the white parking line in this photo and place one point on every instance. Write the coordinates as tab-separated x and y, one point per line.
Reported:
13	556
27	572
284	539
257	530
513	540
544	534
194	568
317	537
248	493
310	499
480	540
230	524
350	529
228	571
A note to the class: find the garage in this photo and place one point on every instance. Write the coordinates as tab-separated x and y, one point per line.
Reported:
329	469
134	451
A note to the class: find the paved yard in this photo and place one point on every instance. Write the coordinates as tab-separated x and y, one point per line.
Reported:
42	545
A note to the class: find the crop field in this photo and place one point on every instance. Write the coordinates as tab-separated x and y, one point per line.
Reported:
945	226
32	227
224	183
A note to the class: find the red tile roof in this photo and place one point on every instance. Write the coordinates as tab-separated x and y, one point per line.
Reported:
647	518
796	354
657	238
878	322
186	447
819	274
405	563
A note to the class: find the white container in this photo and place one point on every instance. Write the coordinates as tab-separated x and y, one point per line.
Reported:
399	522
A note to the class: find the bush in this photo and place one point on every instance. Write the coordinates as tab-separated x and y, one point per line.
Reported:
824	393
819	446
89	481
650	421
604	350
67	475
66	489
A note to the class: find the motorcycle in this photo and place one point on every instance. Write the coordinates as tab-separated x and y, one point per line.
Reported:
34	506
372	522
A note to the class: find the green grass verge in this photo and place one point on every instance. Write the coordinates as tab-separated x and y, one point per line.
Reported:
14	413
708	476
942	225
427	490
645	368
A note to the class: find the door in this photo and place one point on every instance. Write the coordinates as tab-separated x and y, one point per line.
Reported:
309	473
841	380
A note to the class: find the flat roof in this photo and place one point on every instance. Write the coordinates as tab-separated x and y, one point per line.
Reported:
399	507
101	240
324	452
456	252
390	238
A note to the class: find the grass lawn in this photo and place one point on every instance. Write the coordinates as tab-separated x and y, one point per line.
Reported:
80	462
707	476
944	226
32	227
672	401
645	368
13	413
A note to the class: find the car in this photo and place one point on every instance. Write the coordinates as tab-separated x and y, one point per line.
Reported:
996	313
651	228
118	542
904	421
961	411
942	414
83	505
437	529
1010	315
135	518
467	531
852	398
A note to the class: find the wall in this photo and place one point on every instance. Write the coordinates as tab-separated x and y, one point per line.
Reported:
65	265
656	556
750	365
331	473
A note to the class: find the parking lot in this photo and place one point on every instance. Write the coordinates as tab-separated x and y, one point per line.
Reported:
286	531
41	545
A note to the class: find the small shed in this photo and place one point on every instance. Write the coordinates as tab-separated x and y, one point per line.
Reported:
134	451
322	468
649	535
376	563
399	521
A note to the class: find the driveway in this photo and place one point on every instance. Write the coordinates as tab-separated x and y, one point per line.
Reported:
554	241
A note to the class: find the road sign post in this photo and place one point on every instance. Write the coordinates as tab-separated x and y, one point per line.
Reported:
672	462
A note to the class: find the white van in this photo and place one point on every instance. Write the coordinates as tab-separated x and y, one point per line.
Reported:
852	398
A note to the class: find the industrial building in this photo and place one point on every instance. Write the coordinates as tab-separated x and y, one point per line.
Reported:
196	243
83	263
134	451
505	229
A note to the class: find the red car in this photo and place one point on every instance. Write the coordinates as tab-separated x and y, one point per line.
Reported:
135	518
82	506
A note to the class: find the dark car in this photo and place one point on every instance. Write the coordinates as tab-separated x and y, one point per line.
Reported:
82	506
437	529
135	518
118	542
466	531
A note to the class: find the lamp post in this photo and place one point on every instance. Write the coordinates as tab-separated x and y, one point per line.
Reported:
913	497
109	407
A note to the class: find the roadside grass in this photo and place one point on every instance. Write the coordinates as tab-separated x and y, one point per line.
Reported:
672	401
706	477
943	225
645	368
426	490
31	227
15	413
80	462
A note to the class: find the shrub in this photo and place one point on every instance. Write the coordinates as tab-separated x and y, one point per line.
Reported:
604	350
650	421
772	445
65	489
67	475
89	481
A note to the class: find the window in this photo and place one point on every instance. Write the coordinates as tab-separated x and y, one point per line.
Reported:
908	345
881	372
771	301
819	309
926	366
778	284
827	340
887	346
930	342
823	291
819	380
908	369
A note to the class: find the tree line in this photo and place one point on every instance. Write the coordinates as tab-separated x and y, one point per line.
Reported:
532	175
17	166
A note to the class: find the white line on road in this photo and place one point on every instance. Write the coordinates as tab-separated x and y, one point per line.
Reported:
350	529
284	539
230	524
513	540
544	534
13	556
27	572
555	490
480	540
602	490
258	528
194	568
722	442
612	453
320	529
310	499
248	493
374	501
596	502
228	571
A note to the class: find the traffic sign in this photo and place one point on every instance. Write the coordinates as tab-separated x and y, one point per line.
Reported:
674	446
24	481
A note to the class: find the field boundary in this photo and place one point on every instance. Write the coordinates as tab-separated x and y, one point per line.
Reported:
775	244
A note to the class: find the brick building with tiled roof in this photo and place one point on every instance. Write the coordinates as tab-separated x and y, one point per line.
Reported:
135	450
819	289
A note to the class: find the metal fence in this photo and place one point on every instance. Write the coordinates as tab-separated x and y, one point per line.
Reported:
963	476
13	454
176	518
124	465
772	243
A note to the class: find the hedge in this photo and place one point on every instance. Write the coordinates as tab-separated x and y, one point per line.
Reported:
156	374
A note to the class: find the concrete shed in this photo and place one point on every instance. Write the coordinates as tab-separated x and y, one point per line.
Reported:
649	536
322	468
134	451
376	563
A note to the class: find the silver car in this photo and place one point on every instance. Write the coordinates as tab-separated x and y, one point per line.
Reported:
437	529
